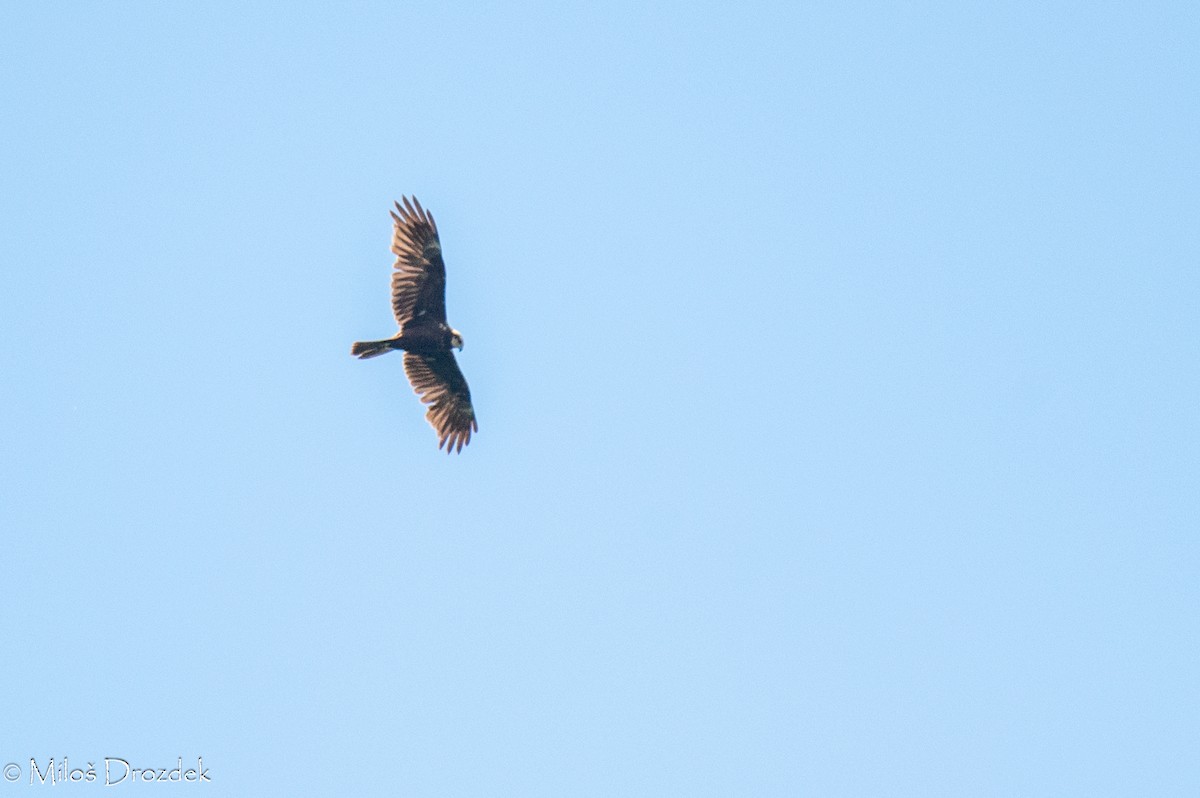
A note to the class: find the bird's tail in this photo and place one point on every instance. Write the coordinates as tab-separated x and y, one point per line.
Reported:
366	349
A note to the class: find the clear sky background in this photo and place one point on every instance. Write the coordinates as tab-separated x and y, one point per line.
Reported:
836	371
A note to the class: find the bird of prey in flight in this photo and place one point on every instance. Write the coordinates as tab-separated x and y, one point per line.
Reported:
419	302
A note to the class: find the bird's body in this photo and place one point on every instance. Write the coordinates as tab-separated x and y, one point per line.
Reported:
419	304
420	339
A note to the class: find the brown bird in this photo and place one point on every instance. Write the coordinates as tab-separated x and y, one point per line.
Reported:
419	302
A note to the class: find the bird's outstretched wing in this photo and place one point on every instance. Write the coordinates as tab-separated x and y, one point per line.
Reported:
419	279
437	379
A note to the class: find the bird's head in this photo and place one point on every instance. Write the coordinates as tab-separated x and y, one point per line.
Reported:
456	340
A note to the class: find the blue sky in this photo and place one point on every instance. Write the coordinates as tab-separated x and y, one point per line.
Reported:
836	372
